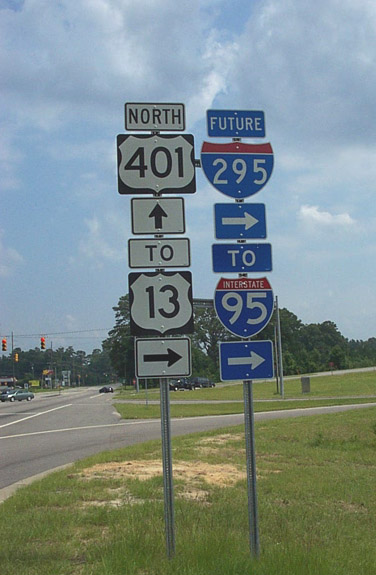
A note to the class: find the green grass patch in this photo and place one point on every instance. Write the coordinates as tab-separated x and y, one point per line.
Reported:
105	515
349	384
152	411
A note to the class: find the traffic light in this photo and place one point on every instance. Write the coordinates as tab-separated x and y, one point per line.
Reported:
43	343
16	357
4	344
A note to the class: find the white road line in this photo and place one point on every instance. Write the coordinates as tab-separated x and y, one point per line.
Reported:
35	415
150	421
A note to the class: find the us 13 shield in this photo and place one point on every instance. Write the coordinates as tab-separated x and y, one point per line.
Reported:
244	305
236	169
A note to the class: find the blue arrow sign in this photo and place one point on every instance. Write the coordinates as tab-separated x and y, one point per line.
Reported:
242	258
244	305
236	169
239	221
236	123
246	360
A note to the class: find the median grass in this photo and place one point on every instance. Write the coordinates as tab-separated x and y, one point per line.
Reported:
326	390
104	515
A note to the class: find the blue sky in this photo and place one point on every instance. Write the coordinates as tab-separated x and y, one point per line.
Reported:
68	67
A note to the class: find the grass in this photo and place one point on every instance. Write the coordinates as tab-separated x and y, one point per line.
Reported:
325	390
104	515
350	384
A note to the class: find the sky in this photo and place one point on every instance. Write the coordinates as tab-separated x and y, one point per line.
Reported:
67	68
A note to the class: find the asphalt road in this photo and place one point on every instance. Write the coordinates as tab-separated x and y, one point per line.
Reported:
54	430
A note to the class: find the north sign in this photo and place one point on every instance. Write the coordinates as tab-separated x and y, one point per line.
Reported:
156	164
242	258
236	169
236	123
154	117
169	357
239	221
159	253
244	306
246	360
158	215
160	303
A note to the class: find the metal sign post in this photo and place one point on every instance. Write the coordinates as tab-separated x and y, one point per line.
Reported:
251	468
167	468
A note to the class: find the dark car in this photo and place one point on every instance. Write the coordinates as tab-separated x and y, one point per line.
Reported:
202	382
106	389
16	394
180	384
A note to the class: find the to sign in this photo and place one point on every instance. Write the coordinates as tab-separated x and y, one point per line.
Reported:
156	164
239	221
244	305
169	357
158	216
242	258
159	253
236	123
236	169
246	360
155	117
160	303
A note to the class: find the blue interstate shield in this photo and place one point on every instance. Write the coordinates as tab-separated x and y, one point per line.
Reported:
244	305
236	169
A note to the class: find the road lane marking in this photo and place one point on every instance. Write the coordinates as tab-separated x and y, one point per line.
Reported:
35	415
138	422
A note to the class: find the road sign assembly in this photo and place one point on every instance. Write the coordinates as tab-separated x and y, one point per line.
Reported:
236	169
235	123
150	163
155	117
169	357
239	221
158	215
242	258
244	306
160	303
246	360
159	253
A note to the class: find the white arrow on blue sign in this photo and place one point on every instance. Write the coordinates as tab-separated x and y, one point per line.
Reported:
244	305
239	221
242	258
246	360
236	169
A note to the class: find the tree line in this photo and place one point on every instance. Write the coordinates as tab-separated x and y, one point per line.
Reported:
306	348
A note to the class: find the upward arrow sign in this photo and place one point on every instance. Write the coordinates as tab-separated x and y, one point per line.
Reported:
158	214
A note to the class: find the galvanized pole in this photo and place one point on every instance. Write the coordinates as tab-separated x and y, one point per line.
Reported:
279	347
167	468
251	468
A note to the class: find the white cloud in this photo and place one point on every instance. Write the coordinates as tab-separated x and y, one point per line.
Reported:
101	242
312	215
9	258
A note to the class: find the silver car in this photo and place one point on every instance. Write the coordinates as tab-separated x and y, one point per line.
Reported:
16	394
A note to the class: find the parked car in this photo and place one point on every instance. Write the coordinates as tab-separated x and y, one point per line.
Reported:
16	394
180	384
173	385
202	382
106	389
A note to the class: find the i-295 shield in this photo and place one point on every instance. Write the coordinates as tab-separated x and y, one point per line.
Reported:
244	305
236	169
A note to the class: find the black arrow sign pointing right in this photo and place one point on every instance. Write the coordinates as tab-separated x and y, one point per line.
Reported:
158	213
171	357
